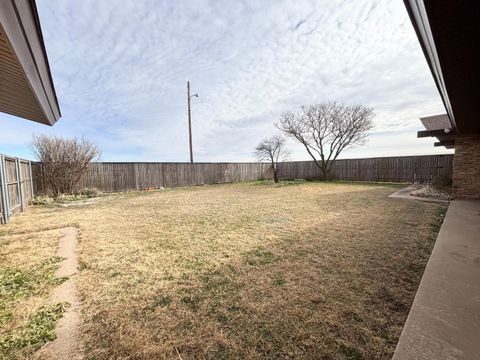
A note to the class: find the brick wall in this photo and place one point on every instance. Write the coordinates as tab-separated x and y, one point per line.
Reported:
466	167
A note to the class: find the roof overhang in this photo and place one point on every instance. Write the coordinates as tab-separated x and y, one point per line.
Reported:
26	83
448	32
439	126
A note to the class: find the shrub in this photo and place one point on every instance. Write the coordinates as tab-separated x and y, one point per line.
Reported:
64	161
85	193
442	181
41	200
89	192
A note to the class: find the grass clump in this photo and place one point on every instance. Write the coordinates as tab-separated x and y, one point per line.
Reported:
278	281
162	301
88	192
82	194
259	256
351	353
39	329
21	283
42	200
14	282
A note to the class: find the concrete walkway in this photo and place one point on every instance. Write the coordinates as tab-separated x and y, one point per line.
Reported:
67	345
444	321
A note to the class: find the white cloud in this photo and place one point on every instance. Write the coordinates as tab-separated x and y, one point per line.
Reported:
120	70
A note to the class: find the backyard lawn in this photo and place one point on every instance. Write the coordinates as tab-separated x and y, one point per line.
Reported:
307	270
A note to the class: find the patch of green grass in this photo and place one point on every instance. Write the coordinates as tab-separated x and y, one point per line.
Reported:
114	274
363	183
17	283
259	256
266	333
219	352
438	220
235	308
83	194
42	200
351	353
219	280
162	301
39	329
82	265
279	281
5	315
192	302
352	315
282	183
89	192
195	265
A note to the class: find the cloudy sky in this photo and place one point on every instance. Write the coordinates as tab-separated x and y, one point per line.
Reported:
120	70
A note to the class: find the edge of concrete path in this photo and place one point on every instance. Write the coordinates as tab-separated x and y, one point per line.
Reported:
444	320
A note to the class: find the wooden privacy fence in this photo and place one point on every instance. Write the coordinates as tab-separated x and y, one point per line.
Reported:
16	186
114	177
383	169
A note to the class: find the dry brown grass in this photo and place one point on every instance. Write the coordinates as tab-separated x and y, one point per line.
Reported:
315	270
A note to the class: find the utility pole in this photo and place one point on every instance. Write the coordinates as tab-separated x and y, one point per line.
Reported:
190	120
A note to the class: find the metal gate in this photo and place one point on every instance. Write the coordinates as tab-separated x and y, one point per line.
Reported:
16	186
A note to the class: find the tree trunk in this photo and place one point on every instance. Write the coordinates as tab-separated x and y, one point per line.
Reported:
275	175
276	179
323	168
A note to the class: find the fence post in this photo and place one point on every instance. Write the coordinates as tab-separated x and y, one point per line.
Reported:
135	175
31	179
20	184
3	182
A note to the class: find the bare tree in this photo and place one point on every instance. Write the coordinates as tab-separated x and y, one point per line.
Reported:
326	129
273	150
64	161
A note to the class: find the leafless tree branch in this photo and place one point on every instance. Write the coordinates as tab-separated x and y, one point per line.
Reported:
273	150
64	161
326	129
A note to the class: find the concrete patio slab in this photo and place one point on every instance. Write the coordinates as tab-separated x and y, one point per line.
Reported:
444	321
405	194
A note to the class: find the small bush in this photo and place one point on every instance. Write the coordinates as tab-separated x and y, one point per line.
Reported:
64	161
42	200
442	182
313	178
85	193
89	192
